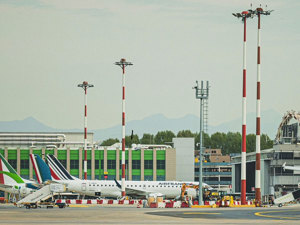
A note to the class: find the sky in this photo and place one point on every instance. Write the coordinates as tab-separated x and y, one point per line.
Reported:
48	47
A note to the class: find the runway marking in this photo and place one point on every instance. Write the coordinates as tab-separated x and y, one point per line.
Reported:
275	217
194	213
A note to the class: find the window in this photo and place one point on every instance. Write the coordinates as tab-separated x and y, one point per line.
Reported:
136	164
281	171
286	155
148	164
136	177
111	164
126	163
63	162
160	164
102	164
147	177
24	164
89	166
160	178
13	163
74	164
97	164
111	177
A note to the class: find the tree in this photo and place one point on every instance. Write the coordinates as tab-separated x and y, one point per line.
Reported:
129	140
233	143
205	138
147	139
218	140
251	142
185	133
163	137
110	141
265	142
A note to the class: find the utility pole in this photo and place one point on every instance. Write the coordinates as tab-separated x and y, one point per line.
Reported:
202	94
123	64
85	85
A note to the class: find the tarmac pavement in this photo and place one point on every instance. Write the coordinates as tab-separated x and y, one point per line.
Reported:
99	214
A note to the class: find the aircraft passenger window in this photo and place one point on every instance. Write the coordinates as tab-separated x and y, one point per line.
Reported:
135	185
152	185
148	185
140	185
105	185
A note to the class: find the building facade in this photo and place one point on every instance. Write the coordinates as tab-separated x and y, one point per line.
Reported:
141	164
274	179
184	158
217	169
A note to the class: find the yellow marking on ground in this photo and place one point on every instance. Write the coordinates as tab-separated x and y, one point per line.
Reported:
241	206
201	206
192	213
275	217
78	206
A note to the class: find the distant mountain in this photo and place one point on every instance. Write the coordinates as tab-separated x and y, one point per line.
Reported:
270	121
152	124
29	124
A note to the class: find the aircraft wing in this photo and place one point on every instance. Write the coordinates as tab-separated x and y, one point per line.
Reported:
134	192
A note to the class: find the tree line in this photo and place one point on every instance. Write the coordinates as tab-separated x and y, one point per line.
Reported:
228	142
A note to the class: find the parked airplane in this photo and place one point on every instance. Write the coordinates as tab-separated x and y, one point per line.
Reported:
11	182
290	167
110	188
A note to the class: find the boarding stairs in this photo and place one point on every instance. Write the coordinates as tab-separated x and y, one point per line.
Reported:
42	194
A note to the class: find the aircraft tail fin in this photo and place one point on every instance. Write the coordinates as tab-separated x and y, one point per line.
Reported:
58	171
41	169
8	175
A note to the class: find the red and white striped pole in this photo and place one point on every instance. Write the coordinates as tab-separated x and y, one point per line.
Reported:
123	64
85	134
243	161
257	165
85	85
259	12
123	131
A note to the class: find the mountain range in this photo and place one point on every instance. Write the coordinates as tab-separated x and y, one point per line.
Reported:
152	124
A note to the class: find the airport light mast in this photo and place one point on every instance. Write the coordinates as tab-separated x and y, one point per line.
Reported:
123	64
85	85
202	94
244	15
259	11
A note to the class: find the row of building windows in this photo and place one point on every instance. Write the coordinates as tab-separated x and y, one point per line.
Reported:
111	164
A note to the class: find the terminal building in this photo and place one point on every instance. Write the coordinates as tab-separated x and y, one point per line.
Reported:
216	169
274	179
141	164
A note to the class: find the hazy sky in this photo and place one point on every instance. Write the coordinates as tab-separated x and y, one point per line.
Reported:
48	47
